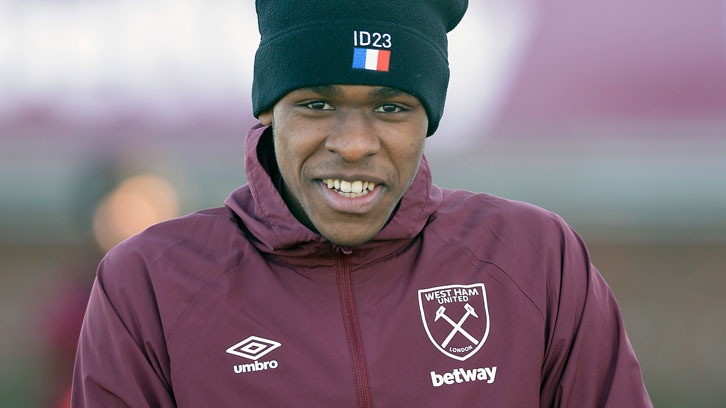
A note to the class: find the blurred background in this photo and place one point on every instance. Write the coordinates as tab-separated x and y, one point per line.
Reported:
118	114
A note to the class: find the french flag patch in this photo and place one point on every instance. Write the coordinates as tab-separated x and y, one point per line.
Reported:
374	60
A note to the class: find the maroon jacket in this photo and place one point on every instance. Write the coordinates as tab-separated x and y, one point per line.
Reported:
461	300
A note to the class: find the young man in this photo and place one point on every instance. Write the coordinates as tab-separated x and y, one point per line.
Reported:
340	276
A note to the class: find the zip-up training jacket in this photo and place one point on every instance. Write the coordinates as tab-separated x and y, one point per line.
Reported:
461	300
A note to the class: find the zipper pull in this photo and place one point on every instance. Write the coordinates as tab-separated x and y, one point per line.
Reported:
342	249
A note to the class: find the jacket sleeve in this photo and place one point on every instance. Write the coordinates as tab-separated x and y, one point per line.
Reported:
589	361
122	359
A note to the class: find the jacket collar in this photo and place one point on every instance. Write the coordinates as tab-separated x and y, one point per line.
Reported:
274	229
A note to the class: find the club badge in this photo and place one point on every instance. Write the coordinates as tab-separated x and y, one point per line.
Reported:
456	318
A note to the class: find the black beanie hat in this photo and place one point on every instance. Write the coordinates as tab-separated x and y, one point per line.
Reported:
396	43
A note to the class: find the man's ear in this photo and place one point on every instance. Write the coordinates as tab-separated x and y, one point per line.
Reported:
265	117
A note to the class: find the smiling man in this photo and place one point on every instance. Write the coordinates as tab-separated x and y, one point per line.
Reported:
340	276
347	154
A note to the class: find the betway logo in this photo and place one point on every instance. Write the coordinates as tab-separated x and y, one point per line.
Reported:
460	375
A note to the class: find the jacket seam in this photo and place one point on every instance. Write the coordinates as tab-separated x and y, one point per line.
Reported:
472	258
156	365
196	295
386	257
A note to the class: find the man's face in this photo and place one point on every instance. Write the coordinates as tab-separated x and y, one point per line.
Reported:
347	154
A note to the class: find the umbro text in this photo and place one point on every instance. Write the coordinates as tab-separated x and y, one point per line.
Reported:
460	375
256	366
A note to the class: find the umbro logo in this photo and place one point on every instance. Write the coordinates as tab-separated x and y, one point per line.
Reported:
254	348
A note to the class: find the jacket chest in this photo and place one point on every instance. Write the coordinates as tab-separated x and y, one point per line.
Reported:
406	337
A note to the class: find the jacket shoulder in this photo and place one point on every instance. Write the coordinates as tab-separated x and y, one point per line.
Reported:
524	242
169	263
510	219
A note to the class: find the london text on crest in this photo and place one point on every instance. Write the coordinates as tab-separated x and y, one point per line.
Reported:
456	318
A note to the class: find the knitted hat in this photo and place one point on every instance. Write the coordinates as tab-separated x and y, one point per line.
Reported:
396	43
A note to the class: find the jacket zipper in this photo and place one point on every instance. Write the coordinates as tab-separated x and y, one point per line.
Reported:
352	328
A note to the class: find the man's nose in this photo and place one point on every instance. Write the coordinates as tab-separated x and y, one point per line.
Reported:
354	137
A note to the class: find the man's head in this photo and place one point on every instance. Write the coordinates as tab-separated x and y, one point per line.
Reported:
347	154
351	89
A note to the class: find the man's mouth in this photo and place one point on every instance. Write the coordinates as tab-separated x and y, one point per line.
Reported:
352	189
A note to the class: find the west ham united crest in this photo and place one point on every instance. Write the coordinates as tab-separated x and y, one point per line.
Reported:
456	318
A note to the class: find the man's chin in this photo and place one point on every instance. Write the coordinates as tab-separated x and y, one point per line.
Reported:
350	229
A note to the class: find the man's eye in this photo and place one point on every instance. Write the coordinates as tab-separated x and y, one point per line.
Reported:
388	108
319	105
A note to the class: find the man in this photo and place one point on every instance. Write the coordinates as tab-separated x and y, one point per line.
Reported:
340	276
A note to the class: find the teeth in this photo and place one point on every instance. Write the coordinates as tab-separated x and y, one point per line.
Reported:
356	187
350	188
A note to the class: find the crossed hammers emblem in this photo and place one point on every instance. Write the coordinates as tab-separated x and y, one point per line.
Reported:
457	325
